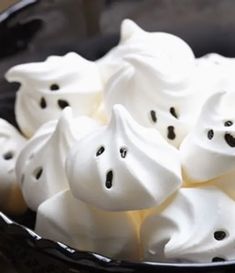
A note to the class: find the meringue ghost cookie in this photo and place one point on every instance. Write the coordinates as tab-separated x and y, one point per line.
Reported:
161	46
48	87
40	166
123	166
208	151
11	143
220	70
68	220
157	94
224	68
195	227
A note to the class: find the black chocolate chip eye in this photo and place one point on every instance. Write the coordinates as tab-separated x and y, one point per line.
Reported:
38	172
43	103
230	140
109	180
63	103
100	151
171	132
123	152
54	87
173	112
228	123
153	116
210	134
218	259
8	155
220	235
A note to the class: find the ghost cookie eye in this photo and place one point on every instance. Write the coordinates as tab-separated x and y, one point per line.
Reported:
210	134
100	151
38	172
153	116
228	123
8	155
123	152
54	87
220	235
173	112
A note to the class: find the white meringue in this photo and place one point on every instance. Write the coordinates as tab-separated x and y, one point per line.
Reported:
48	87
208	152
135	40
155	95
123	166
68	220
218	70
11	143
40	166
195	227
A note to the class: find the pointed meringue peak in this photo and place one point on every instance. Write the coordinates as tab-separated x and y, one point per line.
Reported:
214	100
147	65
53	65
64	120
17	73
211	108
129	28
121	118
52	85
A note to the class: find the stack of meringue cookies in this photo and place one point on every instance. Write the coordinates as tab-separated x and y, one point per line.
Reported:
131	156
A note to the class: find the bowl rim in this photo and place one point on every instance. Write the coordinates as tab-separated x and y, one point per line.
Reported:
10	227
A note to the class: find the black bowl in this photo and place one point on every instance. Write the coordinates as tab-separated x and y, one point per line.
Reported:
30	31
31	253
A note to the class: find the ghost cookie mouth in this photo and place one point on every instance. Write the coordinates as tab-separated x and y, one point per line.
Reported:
230	139
109	179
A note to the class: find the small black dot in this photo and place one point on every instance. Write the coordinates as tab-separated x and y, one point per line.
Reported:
123	152
38	172
43	103
218	259
54	87
100	151
8	155
109	180
171	132
228	123
173	112
220	235
210	134
153	116
63	103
